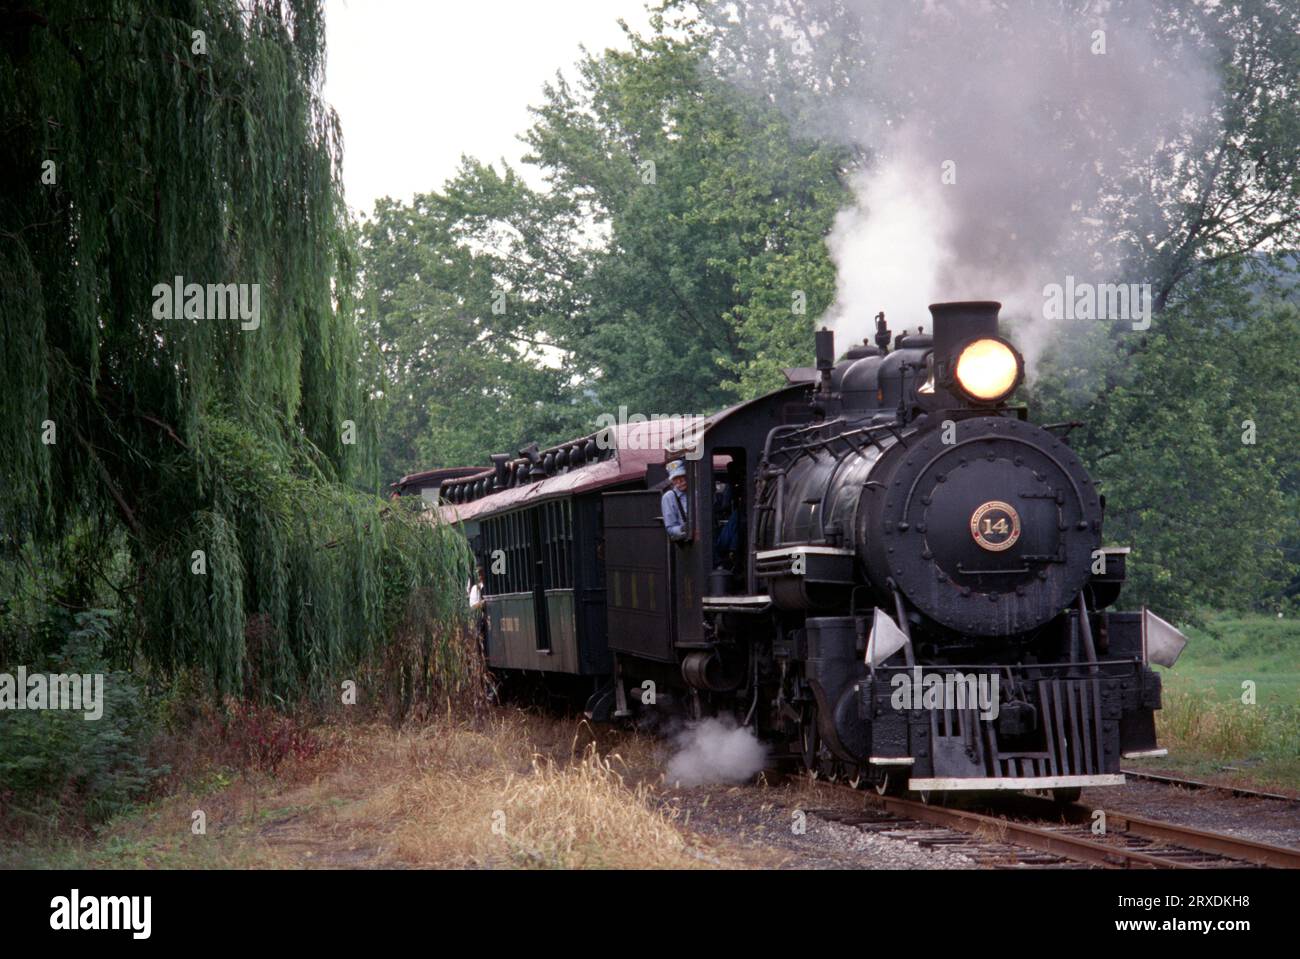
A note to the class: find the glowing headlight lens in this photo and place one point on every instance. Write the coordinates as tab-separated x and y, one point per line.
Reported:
987	370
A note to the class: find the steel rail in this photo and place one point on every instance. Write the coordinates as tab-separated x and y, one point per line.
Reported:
1238	791
1035	837
1219	844
1176	838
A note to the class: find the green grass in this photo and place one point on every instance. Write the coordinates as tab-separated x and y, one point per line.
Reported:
1233	649
154	835
1209	731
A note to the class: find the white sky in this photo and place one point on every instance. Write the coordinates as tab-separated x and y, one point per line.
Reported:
417	84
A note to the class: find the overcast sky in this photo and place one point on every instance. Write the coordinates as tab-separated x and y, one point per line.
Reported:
417	83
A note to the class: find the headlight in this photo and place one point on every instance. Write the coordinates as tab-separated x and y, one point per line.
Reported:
988	370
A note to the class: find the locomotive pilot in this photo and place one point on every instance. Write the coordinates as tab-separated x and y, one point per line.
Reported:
673	503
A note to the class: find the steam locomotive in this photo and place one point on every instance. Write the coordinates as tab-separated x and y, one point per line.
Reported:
890	575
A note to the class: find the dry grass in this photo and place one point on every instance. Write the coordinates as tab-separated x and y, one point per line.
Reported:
507	790
487	797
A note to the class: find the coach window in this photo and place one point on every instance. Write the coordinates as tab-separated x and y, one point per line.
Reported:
522	565
489	550
557	544
513	563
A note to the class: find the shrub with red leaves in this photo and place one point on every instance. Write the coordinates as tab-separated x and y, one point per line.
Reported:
258	737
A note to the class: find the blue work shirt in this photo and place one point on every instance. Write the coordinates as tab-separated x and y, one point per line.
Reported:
673	506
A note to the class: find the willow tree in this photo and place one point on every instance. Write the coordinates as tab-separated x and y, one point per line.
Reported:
177	347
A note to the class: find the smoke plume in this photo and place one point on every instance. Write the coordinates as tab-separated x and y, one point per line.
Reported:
715	751
1007	144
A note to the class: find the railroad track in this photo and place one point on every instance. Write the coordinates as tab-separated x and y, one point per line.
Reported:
1060	837
1237	791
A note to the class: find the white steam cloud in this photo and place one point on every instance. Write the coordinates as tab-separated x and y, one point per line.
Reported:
715	751
900	227
1007	144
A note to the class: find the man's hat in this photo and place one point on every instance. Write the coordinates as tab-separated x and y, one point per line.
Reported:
676	468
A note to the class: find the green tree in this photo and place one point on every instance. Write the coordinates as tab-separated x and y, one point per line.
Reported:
141	144
1196	449
675	263
458	339
712	213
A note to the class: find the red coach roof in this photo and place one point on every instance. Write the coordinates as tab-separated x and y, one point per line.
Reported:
636	446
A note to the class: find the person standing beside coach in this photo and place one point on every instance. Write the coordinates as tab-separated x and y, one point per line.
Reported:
673	504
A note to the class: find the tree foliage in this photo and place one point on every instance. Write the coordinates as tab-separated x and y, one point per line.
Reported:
1196	452
715	209
138	144
457	342
674	262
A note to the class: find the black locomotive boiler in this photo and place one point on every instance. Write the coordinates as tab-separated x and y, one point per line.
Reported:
914	590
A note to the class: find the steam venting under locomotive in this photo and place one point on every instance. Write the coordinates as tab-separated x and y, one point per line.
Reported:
915	592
